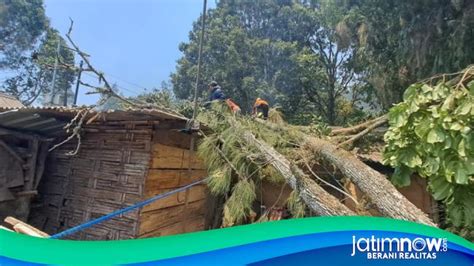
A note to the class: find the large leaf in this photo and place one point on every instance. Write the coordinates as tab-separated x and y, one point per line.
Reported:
402	176
435	135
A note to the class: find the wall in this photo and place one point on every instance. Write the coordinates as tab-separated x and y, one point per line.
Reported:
169	169
107	174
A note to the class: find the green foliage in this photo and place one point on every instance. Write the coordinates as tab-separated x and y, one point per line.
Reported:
402	41
318	127
239	204
30	51
234	165
22	23
295	205
286	52
275	116
431	134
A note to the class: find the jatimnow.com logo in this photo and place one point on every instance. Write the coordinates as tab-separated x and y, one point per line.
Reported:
399	248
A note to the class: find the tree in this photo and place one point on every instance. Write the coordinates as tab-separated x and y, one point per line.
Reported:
248	46
22	23
284	51
34	74
403	41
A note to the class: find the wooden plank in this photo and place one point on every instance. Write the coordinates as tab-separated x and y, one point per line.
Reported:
29	230
41	163
13	153
151	221
22	227
172	138
168	157
162	179
31	162
6	131
12	221
191	224
196	193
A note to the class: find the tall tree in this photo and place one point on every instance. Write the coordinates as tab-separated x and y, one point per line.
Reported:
276	49
22	23
34	73
403	41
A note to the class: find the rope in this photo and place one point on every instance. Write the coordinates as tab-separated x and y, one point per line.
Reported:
203	27
122	211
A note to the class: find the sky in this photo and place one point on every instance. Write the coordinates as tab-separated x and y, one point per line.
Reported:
134	42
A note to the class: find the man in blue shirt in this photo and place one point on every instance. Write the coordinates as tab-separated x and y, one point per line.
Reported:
215	92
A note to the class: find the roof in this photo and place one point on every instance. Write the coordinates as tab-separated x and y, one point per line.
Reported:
51	120
9	101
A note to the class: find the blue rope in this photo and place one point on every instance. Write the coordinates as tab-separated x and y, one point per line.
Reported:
121	211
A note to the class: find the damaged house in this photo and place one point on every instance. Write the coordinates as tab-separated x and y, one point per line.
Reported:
124	157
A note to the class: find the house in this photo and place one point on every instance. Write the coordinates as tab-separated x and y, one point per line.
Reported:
124	157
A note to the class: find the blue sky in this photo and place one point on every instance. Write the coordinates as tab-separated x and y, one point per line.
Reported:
134	42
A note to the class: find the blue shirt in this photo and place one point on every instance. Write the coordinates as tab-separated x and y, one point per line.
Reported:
217	94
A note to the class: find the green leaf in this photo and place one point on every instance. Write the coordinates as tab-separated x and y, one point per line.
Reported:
440	187
461	175
462	148
456	126
423	128
402	176
435	135
448	103
464	108
410	158
431	166
411	91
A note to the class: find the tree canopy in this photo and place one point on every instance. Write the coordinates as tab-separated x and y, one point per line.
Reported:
333	59
28	48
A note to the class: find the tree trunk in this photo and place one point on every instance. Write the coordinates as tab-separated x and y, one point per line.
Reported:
317	199
382	194
359	127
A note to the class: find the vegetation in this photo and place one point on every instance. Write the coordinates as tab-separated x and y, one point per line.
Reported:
336	59
431	134
320	63
28	48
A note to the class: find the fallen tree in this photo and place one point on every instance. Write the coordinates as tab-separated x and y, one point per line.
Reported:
357	128
315	197
382	194
238	161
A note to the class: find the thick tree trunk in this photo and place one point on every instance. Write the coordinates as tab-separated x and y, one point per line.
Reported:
382	194
317	199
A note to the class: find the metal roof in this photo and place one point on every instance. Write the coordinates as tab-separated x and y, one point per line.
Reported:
9	101
50	121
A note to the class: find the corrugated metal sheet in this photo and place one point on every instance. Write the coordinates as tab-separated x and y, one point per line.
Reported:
31	122
51	120
9	101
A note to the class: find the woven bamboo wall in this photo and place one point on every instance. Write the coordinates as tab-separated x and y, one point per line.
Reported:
169	169
107	174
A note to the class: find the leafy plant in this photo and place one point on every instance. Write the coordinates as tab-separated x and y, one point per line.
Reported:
431	134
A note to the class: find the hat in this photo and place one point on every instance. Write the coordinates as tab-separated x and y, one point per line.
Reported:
213	83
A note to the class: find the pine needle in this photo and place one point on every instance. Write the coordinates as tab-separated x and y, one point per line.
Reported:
295	206
239	204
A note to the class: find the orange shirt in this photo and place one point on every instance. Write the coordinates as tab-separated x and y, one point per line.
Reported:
259	102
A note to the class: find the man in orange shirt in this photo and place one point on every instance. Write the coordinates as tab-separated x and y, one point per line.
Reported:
260	108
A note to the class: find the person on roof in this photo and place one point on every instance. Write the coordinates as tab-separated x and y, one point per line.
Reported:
260	109
215	92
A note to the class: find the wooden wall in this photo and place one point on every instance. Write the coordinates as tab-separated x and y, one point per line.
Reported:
107	174
169	169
